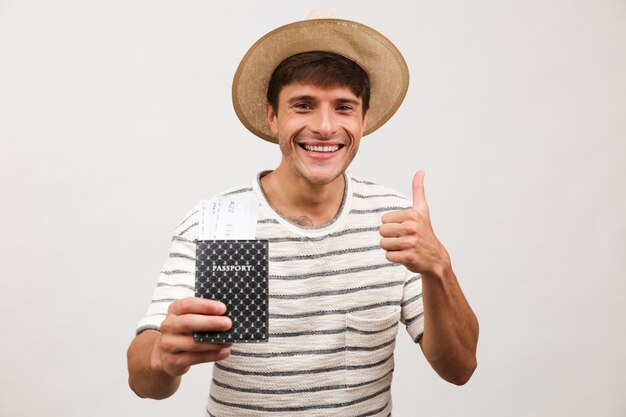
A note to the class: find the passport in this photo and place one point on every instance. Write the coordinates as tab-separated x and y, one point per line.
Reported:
235	272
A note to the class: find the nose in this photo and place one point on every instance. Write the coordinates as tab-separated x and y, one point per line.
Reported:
325	122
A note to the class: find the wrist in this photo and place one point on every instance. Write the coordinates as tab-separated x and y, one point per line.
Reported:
439	270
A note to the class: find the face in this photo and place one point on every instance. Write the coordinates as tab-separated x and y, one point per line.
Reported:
318	131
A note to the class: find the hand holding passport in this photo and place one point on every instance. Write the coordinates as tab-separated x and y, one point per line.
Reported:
173	352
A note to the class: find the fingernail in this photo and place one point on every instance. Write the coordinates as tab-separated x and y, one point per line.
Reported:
225	322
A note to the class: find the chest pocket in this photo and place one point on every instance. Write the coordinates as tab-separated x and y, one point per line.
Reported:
370	341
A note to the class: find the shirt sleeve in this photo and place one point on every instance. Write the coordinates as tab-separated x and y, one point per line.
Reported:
177	277
412	314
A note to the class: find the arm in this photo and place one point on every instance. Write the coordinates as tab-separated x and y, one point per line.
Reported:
450	327
158	359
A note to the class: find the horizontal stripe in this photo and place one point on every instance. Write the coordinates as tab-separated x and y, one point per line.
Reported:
163	300
182	239
311	352
410	321
308	333
379	209
359	331
366	196
321	238
175	272
238	191
334	272
286	354
301	408
156	314
413	279
181	255
332	312
297	391
165	284
330	331
188	227
219	365
267	221
364	181
373	412
335	292
325	254
410	300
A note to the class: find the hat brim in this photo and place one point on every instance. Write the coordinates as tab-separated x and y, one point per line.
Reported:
381	60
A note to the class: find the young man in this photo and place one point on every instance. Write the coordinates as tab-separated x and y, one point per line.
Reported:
349	259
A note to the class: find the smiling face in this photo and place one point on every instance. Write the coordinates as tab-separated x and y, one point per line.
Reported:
318	129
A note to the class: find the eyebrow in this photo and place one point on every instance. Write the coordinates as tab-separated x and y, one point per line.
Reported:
312	98
349	101
300	98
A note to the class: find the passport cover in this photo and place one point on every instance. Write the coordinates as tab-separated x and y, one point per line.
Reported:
235	272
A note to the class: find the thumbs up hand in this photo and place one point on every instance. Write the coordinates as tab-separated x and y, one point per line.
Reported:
408	236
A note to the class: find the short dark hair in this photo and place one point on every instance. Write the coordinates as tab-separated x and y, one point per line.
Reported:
322	69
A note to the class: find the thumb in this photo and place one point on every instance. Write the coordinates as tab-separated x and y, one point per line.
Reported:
419	195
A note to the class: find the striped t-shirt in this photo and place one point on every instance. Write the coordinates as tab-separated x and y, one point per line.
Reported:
334	305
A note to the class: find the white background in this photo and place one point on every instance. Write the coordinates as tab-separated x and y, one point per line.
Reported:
115	119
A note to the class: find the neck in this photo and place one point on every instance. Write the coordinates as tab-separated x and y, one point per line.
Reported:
299	200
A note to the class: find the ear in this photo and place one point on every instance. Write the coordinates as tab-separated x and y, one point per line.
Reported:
271	117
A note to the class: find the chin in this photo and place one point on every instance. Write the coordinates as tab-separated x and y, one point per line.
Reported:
320	180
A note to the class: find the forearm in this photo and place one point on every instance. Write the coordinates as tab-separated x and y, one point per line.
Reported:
450	327
143	376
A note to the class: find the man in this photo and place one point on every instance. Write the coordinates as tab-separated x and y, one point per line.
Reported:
349	259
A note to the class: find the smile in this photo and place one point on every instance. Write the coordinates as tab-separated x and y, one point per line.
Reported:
323	149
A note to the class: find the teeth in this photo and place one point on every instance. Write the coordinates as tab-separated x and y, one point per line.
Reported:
321	148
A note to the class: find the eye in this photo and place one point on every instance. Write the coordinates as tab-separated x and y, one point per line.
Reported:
303	106
344	108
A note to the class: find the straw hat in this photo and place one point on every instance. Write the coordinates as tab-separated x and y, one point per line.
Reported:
381	60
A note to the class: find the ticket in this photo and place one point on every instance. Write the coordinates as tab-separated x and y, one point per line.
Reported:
228	219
